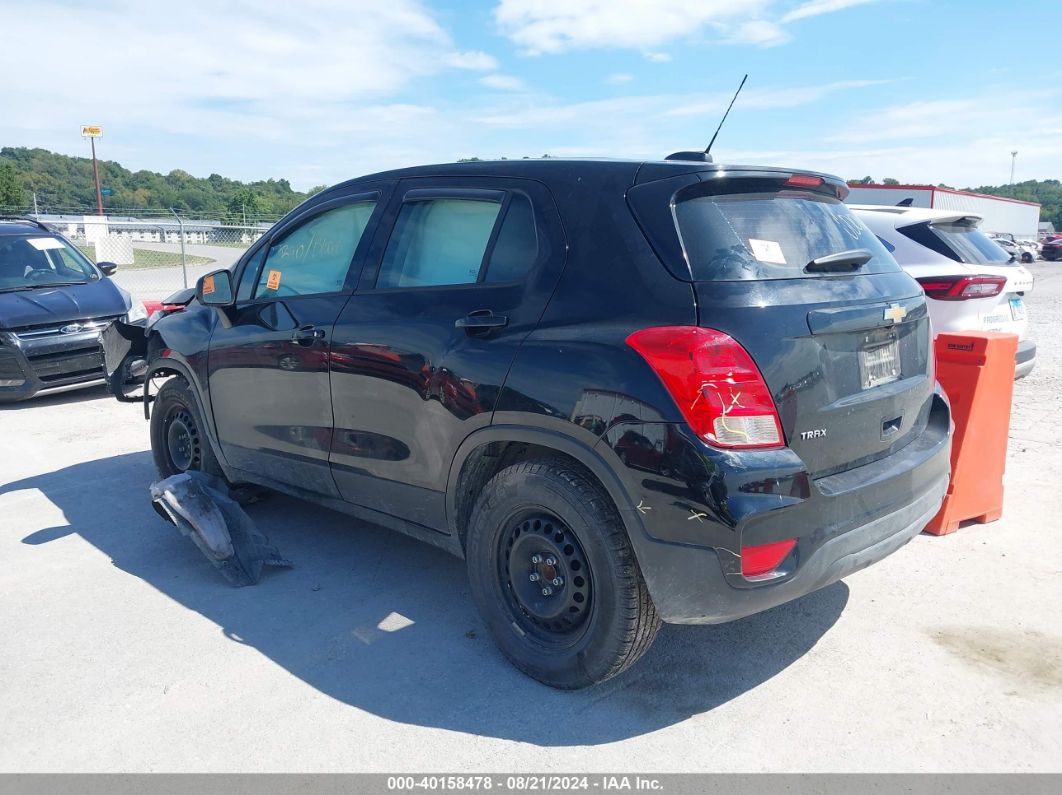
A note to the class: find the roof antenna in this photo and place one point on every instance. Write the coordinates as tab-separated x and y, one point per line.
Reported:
706	155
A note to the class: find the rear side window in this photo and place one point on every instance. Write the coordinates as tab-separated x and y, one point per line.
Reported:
443	241
770	235
315	257
960	241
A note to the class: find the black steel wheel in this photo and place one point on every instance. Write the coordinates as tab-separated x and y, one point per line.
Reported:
178	440
545	576
554	576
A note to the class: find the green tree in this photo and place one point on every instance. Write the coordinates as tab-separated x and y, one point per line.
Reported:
890	181
12	194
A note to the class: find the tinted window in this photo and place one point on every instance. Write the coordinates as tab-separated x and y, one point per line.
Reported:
962	242
516	247
37	260
438	241
770	235
316	256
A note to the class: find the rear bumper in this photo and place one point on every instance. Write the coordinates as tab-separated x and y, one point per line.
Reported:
1025	358
842	523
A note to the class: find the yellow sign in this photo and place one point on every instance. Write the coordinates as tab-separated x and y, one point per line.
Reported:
273	282
91	131
208	285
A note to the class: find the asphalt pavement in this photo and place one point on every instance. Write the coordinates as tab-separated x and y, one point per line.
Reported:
121	649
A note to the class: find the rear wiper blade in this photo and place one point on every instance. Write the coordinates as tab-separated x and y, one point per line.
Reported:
842	261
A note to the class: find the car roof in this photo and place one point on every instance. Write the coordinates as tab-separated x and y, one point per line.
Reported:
20	226
545	168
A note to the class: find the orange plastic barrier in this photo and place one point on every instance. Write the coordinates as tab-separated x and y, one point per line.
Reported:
976	371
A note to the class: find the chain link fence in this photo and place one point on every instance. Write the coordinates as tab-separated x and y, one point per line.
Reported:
158	251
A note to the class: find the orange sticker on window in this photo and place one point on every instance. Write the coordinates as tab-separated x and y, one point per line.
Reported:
273	282
208	285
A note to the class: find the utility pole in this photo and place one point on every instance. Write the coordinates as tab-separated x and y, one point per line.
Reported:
92	132
1013	157
36	212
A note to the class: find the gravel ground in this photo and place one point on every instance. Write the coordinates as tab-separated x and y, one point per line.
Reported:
122	650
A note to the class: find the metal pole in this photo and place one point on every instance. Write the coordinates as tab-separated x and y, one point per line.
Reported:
184	259
1013	157
96	174
36	212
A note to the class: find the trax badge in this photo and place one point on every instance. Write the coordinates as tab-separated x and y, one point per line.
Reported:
895	313
818	433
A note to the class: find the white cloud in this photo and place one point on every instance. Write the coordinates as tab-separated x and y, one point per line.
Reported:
758	32
474	60
619	78
814	8
656	57
502	82
552	26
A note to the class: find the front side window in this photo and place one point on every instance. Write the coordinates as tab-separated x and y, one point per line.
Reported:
315	257
30	261
437	242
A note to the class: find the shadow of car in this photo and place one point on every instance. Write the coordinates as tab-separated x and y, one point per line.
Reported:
384	623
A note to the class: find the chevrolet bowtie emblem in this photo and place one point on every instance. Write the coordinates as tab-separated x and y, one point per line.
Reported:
895	313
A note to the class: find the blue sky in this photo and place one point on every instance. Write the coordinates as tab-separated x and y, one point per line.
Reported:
321	90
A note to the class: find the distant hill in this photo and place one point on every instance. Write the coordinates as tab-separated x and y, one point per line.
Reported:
64	183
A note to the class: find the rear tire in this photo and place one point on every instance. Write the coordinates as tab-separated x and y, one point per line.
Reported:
545	525
178	435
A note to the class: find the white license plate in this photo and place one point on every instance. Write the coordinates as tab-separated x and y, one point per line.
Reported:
1017	309
880	364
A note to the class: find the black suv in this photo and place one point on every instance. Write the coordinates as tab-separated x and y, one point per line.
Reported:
625	392
54	303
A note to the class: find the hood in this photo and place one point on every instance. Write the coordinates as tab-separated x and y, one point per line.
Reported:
62	304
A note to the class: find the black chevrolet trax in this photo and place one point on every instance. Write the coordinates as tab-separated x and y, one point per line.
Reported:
624	392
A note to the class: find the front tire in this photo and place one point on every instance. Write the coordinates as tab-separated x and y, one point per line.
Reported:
554	576
178	435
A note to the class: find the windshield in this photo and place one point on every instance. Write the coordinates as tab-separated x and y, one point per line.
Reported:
29	261
961	241
771	235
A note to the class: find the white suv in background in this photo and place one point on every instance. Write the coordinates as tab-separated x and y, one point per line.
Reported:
971	283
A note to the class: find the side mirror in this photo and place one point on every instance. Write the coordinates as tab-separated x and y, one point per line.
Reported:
108	268
215	289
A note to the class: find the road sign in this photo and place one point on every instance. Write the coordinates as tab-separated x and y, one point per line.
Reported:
91	131
106	191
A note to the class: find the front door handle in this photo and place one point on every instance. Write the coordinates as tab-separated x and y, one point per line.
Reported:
481	321
307	335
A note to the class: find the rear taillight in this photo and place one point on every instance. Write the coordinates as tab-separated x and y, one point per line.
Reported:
962	288
765	558
715	383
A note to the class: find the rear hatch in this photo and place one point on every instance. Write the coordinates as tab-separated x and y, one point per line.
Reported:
984	289
841	341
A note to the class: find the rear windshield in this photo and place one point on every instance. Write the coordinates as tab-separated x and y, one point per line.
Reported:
772	235
30	261
961	241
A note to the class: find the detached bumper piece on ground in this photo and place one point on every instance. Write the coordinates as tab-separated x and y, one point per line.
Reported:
200	507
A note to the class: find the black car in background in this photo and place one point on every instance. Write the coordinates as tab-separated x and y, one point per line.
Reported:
624	392
1051	249
54	303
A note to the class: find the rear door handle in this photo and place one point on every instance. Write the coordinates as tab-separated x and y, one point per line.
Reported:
480	321
307	335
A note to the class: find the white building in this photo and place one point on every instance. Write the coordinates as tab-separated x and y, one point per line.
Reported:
1001	216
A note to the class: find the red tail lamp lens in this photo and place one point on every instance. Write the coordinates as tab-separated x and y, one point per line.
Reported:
715	384
765	558
962	288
